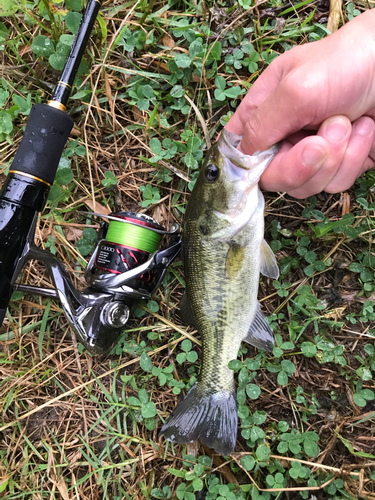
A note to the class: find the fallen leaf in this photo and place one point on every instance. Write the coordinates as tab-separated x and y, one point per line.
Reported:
63	489
137	114
73	234
335	313
97	207
160	214
76	132
168	41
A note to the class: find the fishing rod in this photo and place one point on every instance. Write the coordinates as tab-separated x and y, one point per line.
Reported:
126	265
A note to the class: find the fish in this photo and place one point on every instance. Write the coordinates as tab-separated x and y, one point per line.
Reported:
224	252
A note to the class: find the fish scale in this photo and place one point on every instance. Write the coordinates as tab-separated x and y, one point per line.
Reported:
223	254
222	336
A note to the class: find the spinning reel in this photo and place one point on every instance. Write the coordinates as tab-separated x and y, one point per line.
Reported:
126	267
127	264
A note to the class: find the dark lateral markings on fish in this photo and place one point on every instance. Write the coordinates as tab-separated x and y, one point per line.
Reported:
224	253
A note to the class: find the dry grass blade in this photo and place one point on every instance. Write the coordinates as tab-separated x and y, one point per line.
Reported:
299	488
89	382
201	120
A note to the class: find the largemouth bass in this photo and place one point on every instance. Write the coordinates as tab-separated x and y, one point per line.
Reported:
223	253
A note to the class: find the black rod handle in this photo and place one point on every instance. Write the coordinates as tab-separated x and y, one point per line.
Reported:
40	150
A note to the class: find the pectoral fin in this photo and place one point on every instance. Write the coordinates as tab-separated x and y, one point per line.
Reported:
234	260
260	334
185	311
268	264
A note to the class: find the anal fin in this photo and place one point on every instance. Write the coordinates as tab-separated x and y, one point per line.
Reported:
268	264
185	311
260	334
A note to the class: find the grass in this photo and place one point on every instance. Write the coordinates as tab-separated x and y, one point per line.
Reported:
164	78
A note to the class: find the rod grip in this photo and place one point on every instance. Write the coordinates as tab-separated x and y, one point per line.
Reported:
40	150
21	198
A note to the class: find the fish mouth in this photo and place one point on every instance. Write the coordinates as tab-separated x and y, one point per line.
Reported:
235	166
228	143
241	167
232	141
272	151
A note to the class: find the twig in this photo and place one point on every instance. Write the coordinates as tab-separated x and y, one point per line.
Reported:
201	119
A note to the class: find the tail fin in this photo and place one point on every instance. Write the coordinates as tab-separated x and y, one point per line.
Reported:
210	417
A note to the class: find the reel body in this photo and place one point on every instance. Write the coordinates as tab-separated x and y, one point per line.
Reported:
126	267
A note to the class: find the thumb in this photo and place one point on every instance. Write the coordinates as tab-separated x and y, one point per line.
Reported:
260	90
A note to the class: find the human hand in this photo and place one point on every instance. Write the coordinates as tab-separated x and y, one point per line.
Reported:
324	88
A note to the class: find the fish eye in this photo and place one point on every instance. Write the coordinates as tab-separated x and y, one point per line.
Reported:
211	173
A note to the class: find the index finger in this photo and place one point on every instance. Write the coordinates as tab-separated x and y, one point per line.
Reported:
260	90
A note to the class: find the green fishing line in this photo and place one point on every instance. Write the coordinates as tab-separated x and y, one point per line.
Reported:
139	237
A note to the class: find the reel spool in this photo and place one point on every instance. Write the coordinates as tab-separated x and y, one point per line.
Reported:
127	245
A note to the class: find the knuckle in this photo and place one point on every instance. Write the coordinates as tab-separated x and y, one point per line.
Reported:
252	133
335	186
287	182
294	87
300	194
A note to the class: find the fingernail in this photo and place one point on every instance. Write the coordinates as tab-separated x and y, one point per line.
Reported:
337	129
364	126
314	156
